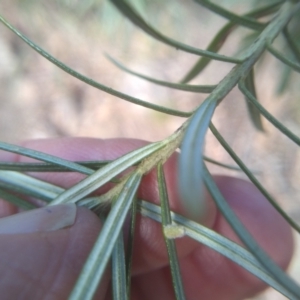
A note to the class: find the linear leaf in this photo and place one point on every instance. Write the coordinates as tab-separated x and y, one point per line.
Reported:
230	167
295	66
191	159
266	10
252	110
127	9
26	191
171	247
28	185
214	46
45	157
253	178
178	86
92	82
218	243
33	187
292	44
284	80
95	265
13	199
220	38
241	20
50	167
105	174
119	270
275	271
130	243
267	115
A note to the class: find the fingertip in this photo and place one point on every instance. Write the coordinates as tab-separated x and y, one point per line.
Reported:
40	264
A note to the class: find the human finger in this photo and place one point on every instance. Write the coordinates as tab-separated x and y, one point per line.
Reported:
42	252
152	253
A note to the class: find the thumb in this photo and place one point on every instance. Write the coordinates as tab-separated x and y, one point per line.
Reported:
43	251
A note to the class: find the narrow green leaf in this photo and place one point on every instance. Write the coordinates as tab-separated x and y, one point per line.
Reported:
33	187
96	263
240	20
253	178
275	271
26	191
45	157
28	185
252	110
292	44
119	270
128	11
295	66
220	38
265	10
267	115
191	159
130	244
167	222
284	80
92	82
105	174
214	46
183	87
13	199
210	160
50	167
218	243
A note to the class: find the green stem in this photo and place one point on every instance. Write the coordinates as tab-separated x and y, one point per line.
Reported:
254	52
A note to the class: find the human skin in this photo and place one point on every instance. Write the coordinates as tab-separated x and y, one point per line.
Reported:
46	264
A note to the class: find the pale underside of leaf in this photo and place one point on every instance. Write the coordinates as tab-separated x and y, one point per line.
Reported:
119	270
105	174
96	263
191	160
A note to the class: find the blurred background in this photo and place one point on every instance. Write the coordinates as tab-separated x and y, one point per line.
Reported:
38	100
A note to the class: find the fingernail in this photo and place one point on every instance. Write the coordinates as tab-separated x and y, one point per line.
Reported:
44	219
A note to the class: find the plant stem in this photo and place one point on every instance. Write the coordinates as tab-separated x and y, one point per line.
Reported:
254	52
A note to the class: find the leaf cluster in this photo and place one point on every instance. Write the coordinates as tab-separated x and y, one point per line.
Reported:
268	23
